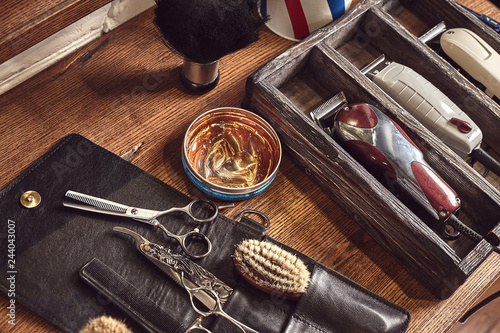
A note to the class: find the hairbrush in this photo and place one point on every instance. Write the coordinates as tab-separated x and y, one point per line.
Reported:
204	31
271	269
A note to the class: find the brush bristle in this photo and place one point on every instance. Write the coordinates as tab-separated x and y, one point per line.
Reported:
204	31
105	324
271	268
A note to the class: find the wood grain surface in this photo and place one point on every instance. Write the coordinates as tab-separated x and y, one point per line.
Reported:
485	320
25	23
124	89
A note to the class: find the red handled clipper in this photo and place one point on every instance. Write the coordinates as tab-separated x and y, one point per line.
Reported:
385	150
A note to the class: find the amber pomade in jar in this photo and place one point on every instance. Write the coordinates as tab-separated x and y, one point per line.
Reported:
231	153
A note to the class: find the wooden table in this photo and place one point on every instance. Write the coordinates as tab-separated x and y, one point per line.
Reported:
124	89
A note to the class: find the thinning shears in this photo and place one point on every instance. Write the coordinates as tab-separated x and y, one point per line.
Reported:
201	211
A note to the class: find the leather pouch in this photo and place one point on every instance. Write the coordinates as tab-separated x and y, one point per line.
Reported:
53	243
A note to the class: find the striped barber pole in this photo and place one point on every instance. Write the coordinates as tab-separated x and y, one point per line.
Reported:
296	19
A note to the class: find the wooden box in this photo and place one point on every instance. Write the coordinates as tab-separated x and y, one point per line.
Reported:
288	88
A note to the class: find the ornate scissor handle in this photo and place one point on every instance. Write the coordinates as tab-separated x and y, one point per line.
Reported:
217	310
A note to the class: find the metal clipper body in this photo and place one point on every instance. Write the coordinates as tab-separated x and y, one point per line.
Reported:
385	149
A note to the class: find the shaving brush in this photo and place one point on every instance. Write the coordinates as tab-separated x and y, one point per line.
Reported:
203	31
271	269
105	324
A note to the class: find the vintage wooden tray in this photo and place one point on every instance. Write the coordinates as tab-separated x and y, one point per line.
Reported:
288	88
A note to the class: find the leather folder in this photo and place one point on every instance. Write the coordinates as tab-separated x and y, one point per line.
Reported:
53	243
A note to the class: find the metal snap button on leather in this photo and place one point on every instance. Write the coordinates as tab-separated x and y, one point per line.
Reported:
30	199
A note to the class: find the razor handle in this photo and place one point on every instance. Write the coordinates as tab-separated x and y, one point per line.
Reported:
386	151
429	106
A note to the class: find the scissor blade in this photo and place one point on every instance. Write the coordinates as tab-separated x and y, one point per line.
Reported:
102	205
92	209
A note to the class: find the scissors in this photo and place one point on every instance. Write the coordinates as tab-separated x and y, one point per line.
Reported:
201	211
216	310
202	286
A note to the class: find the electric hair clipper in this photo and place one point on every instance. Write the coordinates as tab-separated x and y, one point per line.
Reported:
386	150
475	56
431	107
427	104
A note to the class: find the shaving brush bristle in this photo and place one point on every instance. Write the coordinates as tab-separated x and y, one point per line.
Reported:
271	269
204	31
105	324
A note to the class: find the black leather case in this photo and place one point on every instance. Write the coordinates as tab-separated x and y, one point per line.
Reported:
53	243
